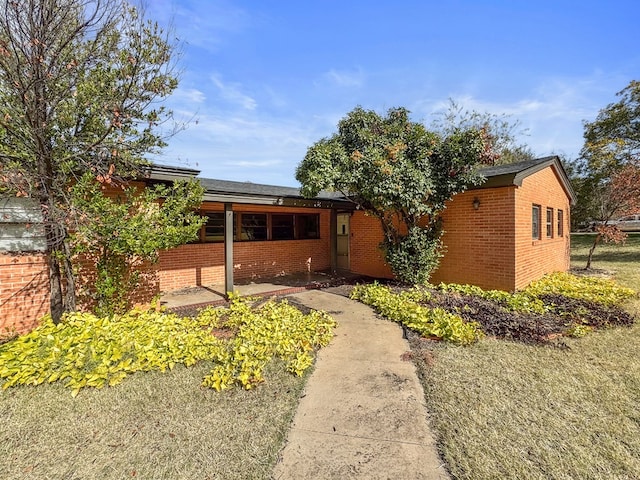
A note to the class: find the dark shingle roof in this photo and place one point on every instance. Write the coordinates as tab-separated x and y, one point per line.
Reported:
248	192
515	173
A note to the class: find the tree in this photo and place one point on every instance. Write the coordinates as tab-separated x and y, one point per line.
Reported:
617	197
499	129
607	177
116	236
80	85
612	140
401	173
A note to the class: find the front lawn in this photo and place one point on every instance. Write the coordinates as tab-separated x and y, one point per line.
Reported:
160	420
508	410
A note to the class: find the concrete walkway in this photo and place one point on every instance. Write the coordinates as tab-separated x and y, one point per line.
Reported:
362	414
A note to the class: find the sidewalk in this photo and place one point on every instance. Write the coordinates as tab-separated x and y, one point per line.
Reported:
362	414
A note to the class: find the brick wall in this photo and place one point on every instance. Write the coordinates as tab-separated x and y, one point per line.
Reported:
491	247
24	291
479	244
538	257
203	263
366	258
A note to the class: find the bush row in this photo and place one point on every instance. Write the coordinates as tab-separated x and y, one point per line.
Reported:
558	304
87	351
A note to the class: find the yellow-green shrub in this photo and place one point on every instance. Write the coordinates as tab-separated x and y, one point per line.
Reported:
87	351
275	329
403	308
516	302
599	290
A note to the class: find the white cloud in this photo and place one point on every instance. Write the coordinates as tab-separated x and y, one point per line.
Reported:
191	95
344	78
202	23
552	112
232	93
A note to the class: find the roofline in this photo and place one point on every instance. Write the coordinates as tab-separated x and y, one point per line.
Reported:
169	173
516	178
165	173
277	200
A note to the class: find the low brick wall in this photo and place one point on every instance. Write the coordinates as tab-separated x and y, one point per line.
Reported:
24	291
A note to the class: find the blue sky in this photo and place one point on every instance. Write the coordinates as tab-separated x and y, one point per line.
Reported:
263	80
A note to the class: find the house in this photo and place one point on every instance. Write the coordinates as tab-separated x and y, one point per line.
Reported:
503	234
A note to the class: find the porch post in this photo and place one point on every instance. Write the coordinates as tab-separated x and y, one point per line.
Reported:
333	234
228	248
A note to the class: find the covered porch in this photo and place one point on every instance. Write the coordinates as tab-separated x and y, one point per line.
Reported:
189	300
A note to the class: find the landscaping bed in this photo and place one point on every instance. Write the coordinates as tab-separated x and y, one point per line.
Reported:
512	409
557	306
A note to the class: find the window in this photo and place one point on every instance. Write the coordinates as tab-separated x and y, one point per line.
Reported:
253	226
535	222
214	228
549	222
261	226
282	227
560	229
307	226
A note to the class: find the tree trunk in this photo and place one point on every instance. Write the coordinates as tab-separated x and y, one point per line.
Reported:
70	280
55	284
596	241
57	252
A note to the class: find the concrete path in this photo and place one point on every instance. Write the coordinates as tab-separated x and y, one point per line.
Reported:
362	414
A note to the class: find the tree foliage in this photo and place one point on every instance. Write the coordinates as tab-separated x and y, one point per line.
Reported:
80	85
607	174
401	173
500	130
116	236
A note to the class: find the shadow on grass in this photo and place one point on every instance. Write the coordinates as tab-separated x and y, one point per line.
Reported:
608	256
629	252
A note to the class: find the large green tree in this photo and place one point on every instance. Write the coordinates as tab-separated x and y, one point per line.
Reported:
611	142
606	176
80	88
501	131
401	173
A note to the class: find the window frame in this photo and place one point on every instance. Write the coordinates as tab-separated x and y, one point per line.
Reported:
536	217
549	222
302	226
203	230
560	222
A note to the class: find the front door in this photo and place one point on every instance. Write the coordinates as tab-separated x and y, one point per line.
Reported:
342	249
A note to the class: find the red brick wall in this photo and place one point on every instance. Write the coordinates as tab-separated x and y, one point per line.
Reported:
490	247
366	258
203	263
479	244
24	291
535	258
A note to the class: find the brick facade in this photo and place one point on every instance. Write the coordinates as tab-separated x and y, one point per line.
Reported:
491	247
24	292
365	255
203	263
536	258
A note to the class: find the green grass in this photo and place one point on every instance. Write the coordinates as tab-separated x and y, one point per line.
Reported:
153	426
503	410
621	260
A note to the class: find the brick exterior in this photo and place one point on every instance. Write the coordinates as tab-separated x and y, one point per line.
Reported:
536	258
365	255
24	291
491	247
203	263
